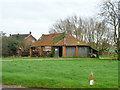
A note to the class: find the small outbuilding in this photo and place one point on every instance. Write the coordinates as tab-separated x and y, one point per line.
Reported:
61	45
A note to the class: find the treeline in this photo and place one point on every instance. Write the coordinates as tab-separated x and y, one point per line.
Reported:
91	31
100	32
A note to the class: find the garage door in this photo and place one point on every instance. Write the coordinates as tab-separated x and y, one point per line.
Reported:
70	51
82	51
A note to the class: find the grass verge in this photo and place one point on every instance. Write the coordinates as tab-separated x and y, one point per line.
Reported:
61	73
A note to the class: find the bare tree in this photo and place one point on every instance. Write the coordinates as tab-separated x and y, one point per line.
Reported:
109	12
119	30
88	30
62	26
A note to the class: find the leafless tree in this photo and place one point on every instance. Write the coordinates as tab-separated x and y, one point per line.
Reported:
88	30
109	12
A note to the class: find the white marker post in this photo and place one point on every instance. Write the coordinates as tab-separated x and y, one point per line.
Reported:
91	80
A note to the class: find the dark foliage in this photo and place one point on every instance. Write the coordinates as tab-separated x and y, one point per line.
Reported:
14	47
25	53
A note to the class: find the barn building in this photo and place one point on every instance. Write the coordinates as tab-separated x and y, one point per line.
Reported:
61	45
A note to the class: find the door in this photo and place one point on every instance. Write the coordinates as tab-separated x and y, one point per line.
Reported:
70	51
60	51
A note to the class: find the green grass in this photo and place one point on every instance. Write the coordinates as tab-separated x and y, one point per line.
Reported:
61	73
113	57
12	58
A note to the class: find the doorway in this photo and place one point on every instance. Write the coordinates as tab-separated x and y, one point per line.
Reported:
60	51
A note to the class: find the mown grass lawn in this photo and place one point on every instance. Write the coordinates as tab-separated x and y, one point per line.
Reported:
60	73
113	57
13	58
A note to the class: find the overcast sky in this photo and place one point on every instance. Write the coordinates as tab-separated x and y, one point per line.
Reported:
37	16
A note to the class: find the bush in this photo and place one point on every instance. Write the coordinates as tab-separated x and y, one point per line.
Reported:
49	54
14	47
9	46
25	53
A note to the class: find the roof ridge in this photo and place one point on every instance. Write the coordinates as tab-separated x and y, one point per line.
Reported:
20	34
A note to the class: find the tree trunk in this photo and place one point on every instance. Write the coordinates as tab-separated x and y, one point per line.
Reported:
118	41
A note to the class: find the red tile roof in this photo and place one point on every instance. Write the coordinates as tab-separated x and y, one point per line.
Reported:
49	39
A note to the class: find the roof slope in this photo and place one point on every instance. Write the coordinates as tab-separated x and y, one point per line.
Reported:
20	36
58	39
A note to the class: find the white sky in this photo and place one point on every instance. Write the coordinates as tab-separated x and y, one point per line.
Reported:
37	16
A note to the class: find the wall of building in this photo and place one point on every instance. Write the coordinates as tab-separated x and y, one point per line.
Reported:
81	52
71	51
30	39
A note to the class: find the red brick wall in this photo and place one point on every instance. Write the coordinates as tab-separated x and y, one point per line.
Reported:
64	51
30	39
76	51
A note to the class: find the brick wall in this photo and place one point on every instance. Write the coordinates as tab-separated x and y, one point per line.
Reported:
30	39
64	51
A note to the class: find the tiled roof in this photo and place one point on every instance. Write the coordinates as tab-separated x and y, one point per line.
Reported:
20	36
49	39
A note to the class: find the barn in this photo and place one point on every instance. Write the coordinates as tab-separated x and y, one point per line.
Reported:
61	45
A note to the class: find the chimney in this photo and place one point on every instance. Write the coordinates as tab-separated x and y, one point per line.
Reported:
29	32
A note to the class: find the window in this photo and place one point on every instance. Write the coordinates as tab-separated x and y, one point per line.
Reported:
33	41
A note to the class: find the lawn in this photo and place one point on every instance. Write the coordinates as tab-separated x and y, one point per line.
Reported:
60	73
113	57
13	58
